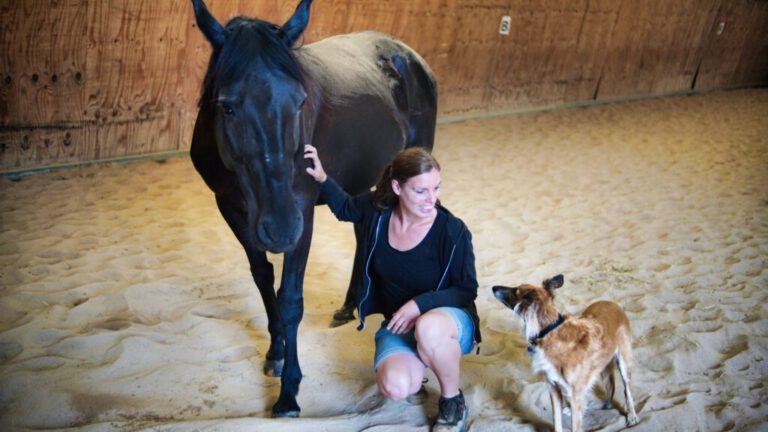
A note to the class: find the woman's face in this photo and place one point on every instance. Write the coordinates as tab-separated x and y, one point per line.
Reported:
419	194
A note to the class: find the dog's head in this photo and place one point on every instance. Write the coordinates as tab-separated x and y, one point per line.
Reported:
533	304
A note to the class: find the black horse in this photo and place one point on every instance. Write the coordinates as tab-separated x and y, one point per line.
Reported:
358	98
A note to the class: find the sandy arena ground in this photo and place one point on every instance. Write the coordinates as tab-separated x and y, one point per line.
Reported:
126	303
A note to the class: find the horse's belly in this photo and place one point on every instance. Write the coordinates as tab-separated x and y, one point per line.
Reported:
356	141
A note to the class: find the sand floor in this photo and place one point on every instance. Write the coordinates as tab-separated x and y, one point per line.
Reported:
126	303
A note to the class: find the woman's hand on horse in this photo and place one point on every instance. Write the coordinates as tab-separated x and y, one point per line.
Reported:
316	169
405	318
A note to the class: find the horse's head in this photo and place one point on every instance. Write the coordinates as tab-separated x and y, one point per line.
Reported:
253	94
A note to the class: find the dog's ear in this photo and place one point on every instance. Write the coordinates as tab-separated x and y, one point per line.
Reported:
554	283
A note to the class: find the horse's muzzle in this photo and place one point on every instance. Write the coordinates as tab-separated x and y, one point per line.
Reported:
278	235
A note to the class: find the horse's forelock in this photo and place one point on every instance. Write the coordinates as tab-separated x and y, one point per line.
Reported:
248	40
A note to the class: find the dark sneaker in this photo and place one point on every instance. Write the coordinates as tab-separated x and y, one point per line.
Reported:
417	398
452	414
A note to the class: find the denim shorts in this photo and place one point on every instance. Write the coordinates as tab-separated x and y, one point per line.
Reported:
388	343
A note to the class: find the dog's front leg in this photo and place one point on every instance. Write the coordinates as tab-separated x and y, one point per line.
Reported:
577	410
557	406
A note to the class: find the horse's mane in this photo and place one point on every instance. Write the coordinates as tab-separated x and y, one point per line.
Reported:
248	39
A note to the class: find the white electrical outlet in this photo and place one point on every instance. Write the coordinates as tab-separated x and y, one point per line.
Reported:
506	21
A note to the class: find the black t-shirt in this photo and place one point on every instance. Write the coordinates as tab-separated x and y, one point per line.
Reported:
402	275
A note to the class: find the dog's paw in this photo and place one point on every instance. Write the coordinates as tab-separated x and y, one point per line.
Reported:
632	419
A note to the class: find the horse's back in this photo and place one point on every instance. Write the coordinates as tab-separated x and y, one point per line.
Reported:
352	63
379	96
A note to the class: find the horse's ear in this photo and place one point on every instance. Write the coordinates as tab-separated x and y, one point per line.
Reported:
295	26
211	29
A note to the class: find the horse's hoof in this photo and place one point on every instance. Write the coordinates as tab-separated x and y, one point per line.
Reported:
273	368
285	406
342	316
338	323
287	414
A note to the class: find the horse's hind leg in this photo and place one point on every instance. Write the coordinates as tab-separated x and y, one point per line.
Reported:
264	276
346	312
416	98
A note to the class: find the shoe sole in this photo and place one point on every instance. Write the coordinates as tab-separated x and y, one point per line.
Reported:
461	425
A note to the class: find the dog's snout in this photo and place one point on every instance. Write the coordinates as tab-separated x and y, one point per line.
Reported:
504	294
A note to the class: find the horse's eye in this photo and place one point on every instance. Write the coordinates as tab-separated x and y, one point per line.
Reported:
300	107
227	109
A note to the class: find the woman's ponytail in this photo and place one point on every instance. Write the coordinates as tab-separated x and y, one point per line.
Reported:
384	197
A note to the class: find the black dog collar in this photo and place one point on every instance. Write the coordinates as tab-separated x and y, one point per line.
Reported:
548	329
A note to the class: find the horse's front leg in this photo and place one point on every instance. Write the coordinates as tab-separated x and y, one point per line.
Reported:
263	275
290	300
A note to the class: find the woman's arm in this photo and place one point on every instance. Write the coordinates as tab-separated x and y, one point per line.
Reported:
316	170
344	207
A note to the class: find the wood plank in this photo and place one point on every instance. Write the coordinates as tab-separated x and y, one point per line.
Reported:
43	62
85	80
653	47
753	62
739	52
468	52
543	59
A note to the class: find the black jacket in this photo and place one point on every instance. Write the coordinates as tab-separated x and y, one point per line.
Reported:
458	285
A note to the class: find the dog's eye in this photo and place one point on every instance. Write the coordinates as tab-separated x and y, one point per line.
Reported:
528	298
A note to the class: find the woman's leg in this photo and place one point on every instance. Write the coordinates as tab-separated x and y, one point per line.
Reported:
438	347
400	375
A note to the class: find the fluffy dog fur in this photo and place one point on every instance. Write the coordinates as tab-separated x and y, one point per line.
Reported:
572	351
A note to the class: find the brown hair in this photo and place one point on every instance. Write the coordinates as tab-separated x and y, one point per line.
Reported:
407	163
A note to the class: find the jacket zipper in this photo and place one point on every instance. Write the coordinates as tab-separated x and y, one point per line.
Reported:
445	273
368	283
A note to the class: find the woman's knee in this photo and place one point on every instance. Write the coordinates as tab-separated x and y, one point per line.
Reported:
395	386
399	377
435	328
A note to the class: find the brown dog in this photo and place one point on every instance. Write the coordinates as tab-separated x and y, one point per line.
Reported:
571	351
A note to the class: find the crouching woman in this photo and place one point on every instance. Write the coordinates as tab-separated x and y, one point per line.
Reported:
419	273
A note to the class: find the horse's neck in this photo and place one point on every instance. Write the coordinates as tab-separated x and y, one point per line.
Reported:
310	111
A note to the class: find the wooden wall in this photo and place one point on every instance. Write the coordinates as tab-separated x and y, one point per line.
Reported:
89	80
